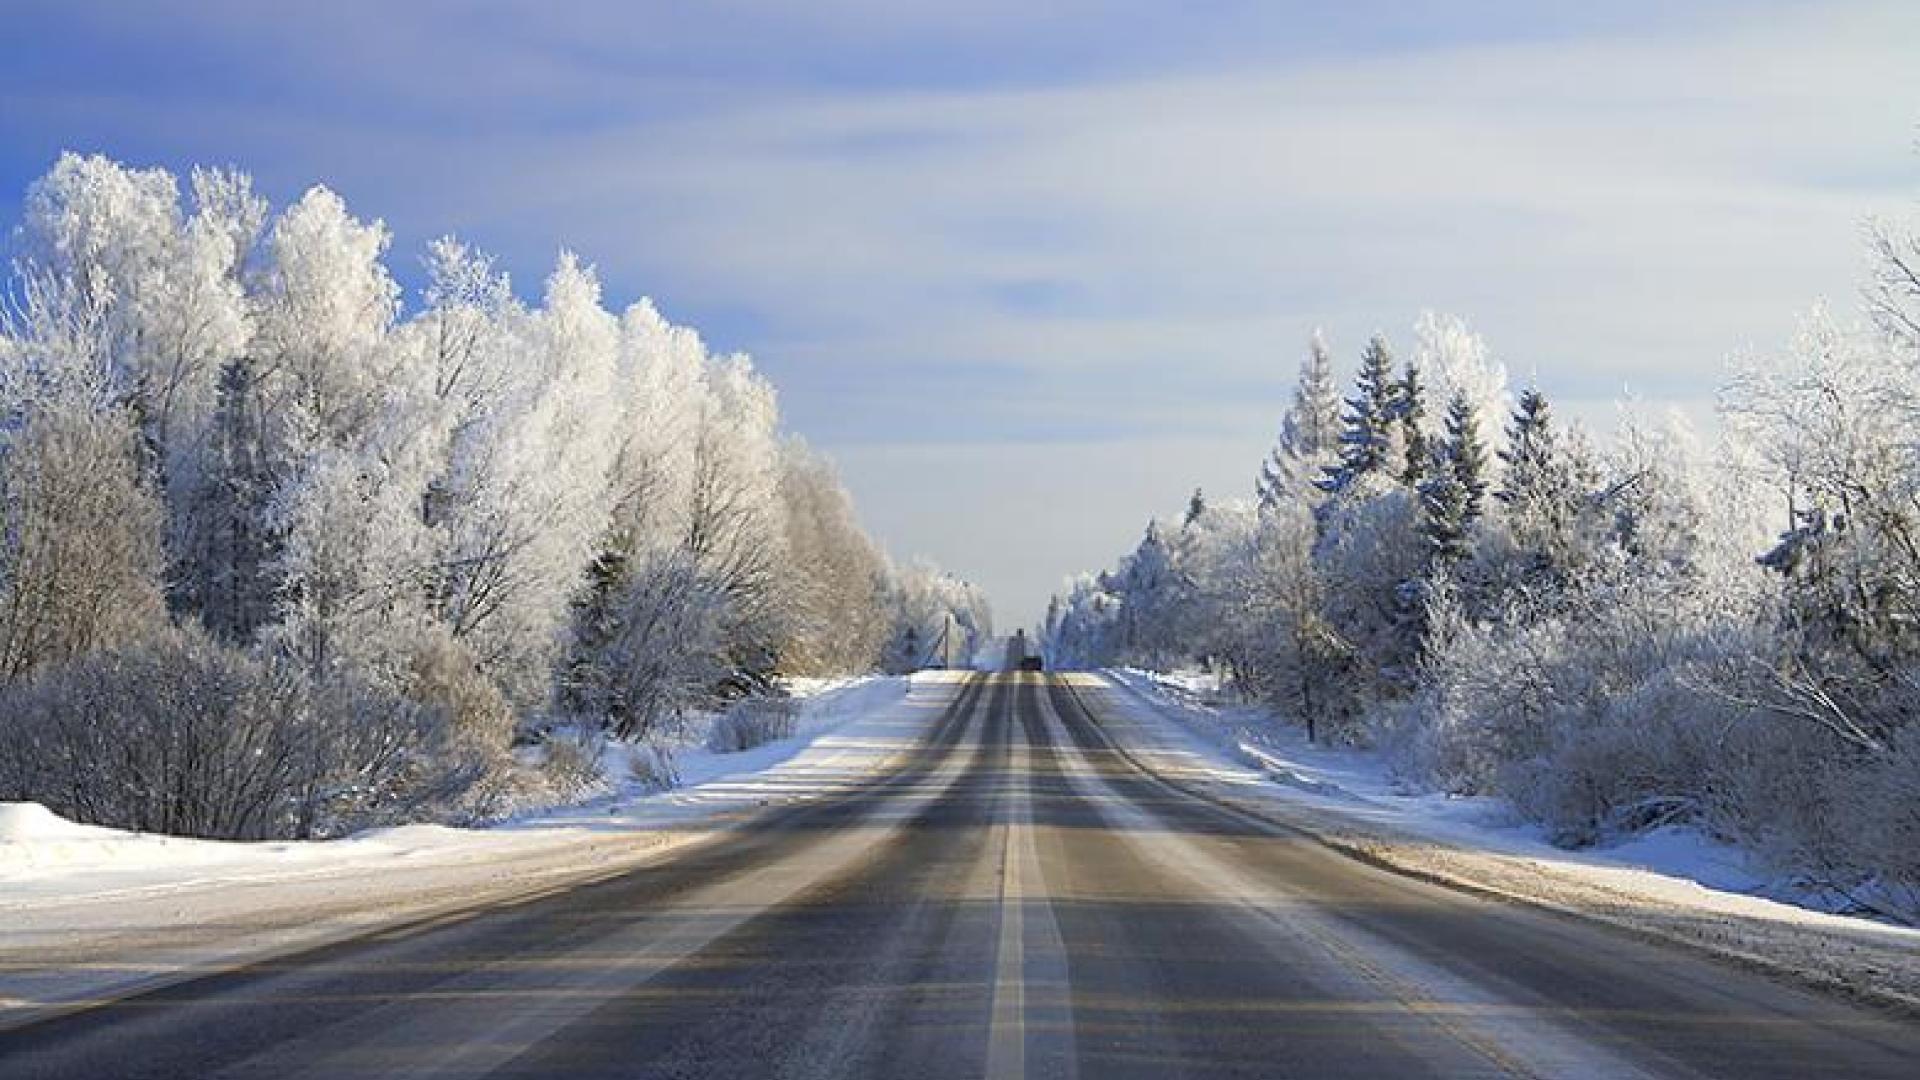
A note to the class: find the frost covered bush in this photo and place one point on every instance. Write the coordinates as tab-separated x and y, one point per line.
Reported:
184	736
1648	758
751	722
571	762
1882	799
444	675
651	765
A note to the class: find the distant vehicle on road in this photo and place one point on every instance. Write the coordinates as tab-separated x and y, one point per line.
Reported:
1021	656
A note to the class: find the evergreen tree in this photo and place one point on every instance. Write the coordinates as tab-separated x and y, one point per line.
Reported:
1309	432
1366	437
1445	513
1530	457
1149	585
1196	506
226	573
1456	483
1466	453
1410	410
1546	493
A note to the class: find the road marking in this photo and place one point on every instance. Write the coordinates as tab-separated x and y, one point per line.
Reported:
1030	948
1007	1030
1007	1038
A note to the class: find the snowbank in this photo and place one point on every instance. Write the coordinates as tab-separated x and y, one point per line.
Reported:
1674	883
87	912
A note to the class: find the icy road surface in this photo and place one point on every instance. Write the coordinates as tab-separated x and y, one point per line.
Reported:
1015	898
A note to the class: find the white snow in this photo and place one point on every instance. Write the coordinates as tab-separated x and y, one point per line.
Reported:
88	912
1673	883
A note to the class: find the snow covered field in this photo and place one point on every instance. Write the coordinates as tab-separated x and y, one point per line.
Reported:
88	912
1672	883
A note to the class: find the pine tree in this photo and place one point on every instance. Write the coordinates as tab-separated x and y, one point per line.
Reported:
1312	425
1545	493
1365	439
1445	513
1410	410
1530	456
1456	483
226	575
1196	506
1466	453
1309	432
596	626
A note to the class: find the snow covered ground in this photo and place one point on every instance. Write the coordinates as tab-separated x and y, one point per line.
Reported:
87	912
1673	883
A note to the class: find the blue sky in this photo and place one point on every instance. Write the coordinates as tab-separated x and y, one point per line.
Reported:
1032	276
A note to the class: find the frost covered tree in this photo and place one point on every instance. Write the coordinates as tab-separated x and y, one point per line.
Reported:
1446	515
1451	497
1263	601
734	532
80	559
1832	425
165	282
1367	435
1083	628
1410	412
1893	290
1457	361
523	497
837	624
351	458
162	286
1153	581
1532	477
1550	506
1309	431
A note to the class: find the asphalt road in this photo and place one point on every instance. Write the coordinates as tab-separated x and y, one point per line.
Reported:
1016	900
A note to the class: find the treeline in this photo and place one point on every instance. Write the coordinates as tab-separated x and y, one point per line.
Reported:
1615	638
282	557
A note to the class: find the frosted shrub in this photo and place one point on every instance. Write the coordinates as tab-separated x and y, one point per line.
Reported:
1883	802
572	763
183	736
651	765
1642	762
445	675
751	722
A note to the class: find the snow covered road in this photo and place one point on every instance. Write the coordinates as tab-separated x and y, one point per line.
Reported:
1017	897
